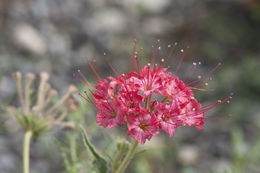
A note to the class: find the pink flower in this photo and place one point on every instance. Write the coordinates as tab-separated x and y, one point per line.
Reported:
101	89
110	114
150	98
142	126
168	116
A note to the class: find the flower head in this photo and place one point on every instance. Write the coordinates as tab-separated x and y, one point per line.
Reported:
40	115
150	98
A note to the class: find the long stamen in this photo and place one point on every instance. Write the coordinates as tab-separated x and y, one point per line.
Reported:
94	71
110	65
181	60
208	107
97	69
204	83
221	117
165	55
205	75
136	59
194	71
171	53
156	53
151	54
194	64
133	56
88	100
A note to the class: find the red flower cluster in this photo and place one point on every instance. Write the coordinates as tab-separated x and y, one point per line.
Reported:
149	98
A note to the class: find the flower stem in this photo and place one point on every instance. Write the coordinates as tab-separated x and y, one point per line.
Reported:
26	151
127	158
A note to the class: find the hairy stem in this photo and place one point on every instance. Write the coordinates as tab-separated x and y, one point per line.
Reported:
115	163
127	158
26	151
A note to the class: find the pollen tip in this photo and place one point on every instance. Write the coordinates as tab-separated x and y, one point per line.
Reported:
45	75
182	50
199	63
159	48
175	44
53	92
72	89
17	75
199	77
169	45
194	63
105	54
219	101
30	76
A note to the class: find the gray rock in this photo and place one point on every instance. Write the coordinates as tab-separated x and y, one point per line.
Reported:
188	155
108	20
28	39
7	87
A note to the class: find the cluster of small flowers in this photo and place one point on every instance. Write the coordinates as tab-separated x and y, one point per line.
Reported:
148	99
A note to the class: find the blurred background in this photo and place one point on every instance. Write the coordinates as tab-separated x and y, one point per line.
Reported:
56	36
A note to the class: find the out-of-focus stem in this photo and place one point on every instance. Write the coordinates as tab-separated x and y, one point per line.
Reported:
115	163
127	158
18	79
41	89
29	79
26	151
71	90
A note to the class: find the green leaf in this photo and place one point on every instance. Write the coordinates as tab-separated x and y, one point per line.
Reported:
99	161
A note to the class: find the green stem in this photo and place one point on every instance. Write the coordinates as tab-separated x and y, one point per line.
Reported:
115	162
26	151
127	158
